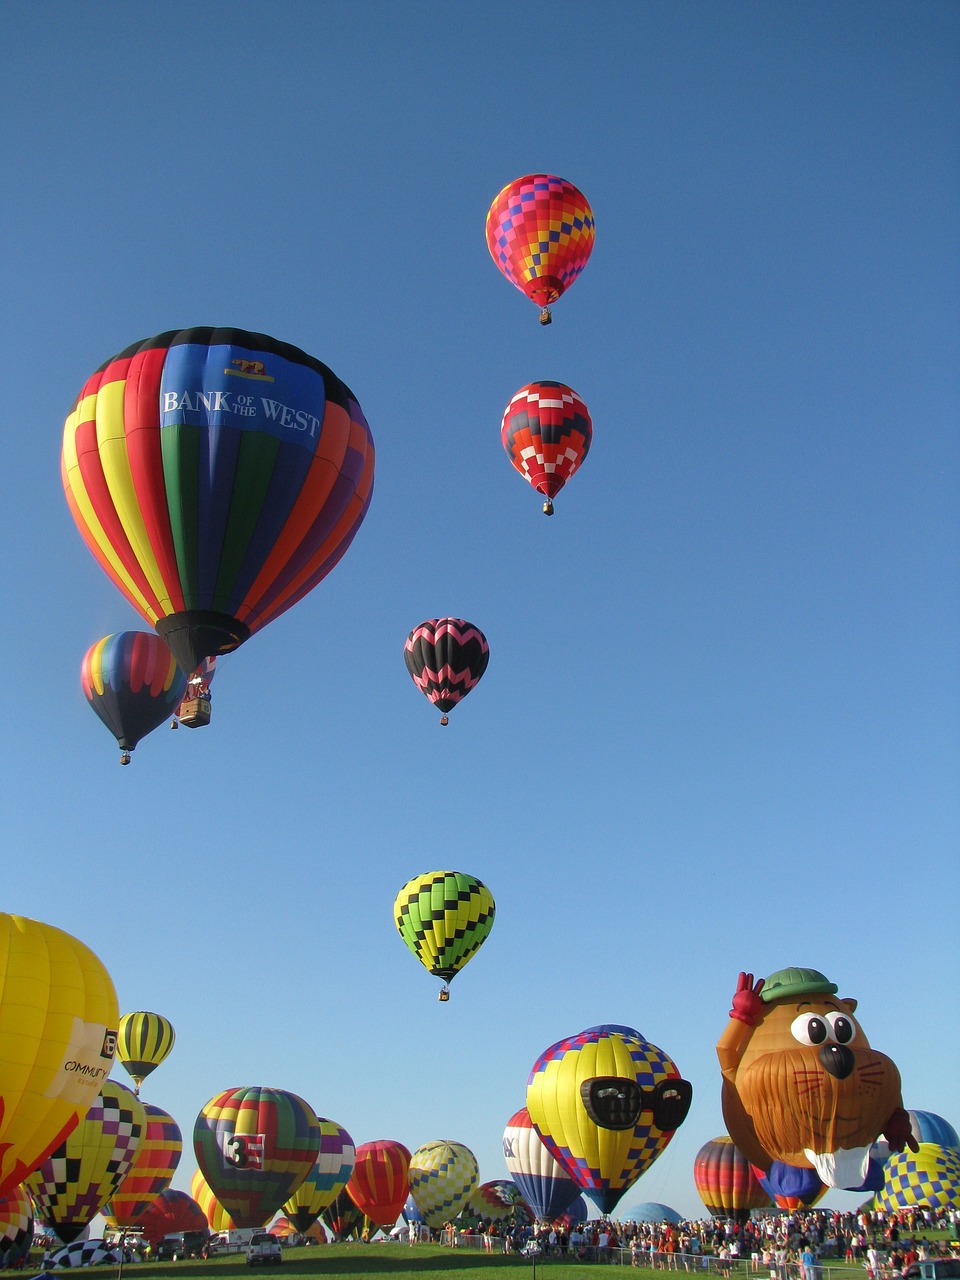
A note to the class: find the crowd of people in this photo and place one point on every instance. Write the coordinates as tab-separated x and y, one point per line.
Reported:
787	1246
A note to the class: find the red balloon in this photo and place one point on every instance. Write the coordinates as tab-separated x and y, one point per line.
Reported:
171	1211
379	1184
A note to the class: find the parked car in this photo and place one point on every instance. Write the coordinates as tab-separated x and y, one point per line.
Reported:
934	1269
264	1247
181	1244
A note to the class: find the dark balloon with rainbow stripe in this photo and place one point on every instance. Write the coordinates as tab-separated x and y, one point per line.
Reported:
133	683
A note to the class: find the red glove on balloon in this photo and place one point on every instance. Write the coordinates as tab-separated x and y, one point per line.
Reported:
747	1005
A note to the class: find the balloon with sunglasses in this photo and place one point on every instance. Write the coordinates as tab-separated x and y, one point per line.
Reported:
606	1102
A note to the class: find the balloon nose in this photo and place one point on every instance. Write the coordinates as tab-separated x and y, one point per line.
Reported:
837	1059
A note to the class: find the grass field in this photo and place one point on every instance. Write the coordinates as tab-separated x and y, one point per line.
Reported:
393	1261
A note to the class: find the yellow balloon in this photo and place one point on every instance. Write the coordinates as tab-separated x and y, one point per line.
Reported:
605	1103
58	1034
73	1184
214	1212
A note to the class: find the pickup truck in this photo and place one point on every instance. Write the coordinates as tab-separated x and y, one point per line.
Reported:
265	1248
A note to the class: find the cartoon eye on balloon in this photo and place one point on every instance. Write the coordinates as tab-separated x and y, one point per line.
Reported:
446	658
444	917
540	233
132	682
217	476
546	432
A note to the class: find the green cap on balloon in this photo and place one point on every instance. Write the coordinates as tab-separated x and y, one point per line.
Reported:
787	984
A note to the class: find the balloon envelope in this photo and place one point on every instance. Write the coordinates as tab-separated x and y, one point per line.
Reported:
58	1028
254	1147
168	1212
929	1177
144	1041
725	1181
606	1103
16	1227
152	1170
217	1217
327	1178
343	1217
132	682
217	476
73	1184
442	1176
446	658
540	233
542	1181
546	432
444	917
380	1181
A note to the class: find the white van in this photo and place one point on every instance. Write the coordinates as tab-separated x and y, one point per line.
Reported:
233	1241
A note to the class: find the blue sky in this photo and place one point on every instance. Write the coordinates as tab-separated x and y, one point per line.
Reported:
719	728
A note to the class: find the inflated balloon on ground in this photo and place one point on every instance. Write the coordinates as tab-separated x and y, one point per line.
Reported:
606	1103
58	1031
542	1181
73	1184
726	1182
380	1181
254	1146
151	1172
331	1170
442	1175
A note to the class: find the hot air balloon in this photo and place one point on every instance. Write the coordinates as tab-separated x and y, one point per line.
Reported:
217	476
497	1201
929	1176
725	1181
73	1184
217	1217
542	1181
379	1183
144	1041
444	917
791	1056
446	657
606	1102
194	710
342	1217
442	1176
540	233
327	1178
58	1033
16	1227
546	432
151	1172
255	1146
133	684
168	1212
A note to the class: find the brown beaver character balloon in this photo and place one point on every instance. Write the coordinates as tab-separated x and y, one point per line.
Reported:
801	1084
